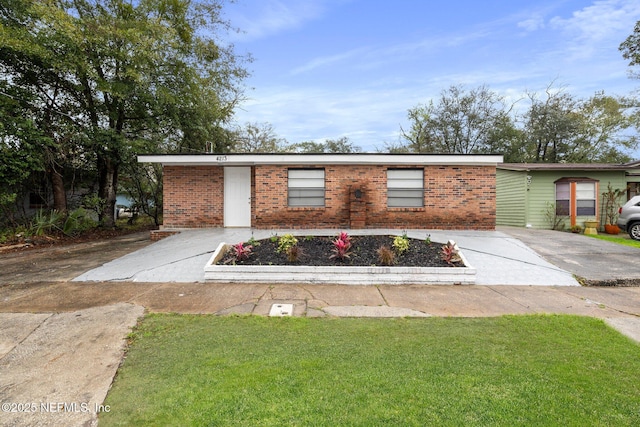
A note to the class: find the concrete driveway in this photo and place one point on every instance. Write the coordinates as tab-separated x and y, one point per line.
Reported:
499	258
596	262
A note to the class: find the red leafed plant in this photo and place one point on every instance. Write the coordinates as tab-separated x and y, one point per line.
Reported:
344	236
241	252
450	254
341	246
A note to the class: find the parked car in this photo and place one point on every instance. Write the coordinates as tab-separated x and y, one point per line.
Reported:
629	219
126	212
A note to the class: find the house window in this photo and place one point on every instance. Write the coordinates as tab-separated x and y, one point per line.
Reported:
405	188
586	198
37	201
576	197
305	187
563	197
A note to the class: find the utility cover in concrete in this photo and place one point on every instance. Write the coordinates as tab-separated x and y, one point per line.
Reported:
280	310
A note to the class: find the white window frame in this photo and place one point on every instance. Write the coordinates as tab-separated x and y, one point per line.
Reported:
586	191
305	188
405	188
560	208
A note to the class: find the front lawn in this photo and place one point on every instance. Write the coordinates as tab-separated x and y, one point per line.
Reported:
616	239
259	371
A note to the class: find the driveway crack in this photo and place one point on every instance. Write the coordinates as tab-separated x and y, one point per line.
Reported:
382	296
40	325
509	298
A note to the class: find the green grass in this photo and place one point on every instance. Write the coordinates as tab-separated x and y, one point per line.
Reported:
620	240
186	370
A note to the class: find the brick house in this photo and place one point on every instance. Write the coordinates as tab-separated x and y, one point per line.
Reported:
329	190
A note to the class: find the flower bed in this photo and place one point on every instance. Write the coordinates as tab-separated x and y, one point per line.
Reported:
341	260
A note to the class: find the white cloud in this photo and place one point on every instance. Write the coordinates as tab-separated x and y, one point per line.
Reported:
262	18
603	20
532	24
367	58
327	60
312	113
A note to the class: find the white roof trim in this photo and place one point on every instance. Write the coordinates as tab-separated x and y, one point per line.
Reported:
320	159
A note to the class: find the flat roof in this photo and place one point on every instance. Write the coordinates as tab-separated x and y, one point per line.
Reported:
561	166
226	159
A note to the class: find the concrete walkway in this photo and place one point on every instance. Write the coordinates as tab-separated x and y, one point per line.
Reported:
56	369
500	259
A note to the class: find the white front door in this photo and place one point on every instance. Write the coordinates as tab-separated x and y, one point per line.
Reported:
237	196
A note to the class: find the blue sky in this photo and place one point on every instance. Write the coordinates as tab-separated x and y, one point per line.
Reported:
333	68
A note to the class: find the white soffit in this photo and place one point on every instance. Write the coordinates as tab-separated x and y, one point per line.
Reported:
320	159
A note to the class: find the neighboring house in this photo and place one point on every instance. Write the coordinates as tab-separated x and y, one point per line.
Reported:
42	198
329	190
529	194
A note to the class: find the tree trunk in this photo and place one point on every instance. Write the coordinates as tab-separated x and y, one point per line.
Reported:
59	193
108	181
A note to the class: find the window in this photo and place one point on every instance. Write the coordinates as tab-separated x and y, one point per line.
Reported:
405	188
563	196
576	197
586	198
306	187
37	200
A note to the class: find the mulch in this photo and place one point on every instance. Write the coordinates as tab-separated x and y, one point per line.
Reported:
318	251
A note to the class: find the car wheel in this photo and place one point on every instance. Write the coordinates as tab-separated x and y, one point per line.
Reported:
634	231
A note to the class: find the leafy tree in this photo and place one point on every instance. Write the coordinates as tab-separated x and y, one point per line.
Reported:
340	145
19	153
607	131
258	138
563	128
143	183
461	122
550	125
123	71
556	127
630	48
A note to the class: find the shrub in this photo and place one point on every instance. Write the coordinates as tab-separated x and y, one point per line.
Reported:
240	252
253	242
341	246
401	244
450	254
46	222
78	221
285	242
386	256
344	236
294	253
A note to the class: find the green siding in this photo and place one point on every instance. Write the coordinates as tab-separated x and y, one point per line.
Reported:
541	194
511	191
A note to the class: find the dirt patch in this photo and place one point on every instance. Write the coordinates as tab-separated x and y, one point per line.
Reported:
318	251
65	261
19	242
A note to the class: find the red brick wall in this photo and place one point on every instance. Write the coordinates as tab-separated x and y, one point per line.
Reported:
456	197
193	196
